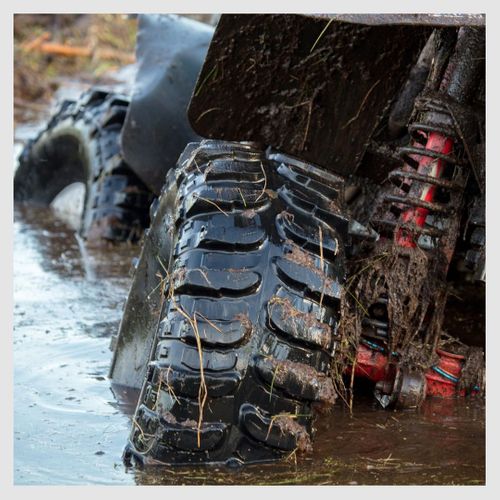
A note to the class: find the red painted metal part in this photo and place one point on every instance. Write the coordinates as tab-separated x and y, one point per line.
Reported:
370	364
432	168
439	385
375	366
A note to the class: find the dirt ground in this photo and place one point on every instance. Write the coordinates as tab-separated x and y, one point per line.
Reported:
40	41
46	48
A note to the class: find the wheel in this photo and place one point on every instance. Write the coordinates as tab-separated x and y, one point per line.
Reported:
252	272
81	144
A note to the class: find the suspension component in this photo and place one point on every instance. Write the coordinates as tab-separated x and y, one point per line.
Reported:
426	201
428	160
432	180
402	387
406	390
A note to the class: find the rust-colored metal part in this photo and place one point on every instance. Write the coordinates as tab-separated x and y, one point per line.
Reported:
436	134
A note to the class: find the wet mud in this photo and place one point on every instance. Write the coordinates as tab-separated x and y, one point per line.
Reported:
371	447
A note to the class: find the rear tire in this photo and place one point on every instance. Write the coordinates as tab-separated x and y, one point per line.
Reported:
248	325
81	143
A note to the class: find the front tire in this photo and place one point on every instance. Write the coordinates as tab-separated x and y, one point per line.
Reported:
252	274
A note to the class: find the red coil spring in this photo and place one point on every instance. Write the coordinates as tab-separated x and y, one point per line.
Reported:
422	175
433	169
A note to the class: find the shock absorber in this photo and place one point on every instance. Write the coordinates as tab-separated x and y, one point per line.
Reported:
426	208
433	177
431	182
429	171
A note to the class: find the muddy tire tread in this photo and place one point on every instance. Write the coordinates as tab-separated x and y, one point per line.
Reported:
116	202
237	220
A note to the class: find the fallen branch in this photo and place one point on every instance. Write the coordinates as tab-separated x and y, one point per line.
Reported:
40	44
36	42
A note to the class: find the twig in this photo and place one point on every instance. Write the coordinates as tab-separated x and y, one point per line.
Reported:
351	386
272	382
206	113
162	265
169	387
202	392
192	156
288	415
293	454
197	167
162	280
358	302
293	106
356	116
265	183
320	231
203	387
212	203
322	293
211	72
340	391
243	198
158	393
307	125
321	34
143	435
36	42
59	49
211	323
208	169
204	274
382	256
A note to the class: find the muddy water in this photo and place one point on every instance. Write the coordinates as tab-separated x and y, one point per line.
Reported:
67	426
70	429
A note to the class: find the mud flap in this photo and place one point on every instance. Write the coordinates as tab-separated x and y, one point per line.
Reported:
307	86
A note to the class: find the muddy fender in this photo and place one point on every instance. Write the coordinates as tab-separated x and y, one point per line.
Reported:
170	52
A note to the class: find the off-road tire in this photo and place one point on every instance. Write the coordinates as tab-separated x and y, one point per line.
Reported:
81	143
253	271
